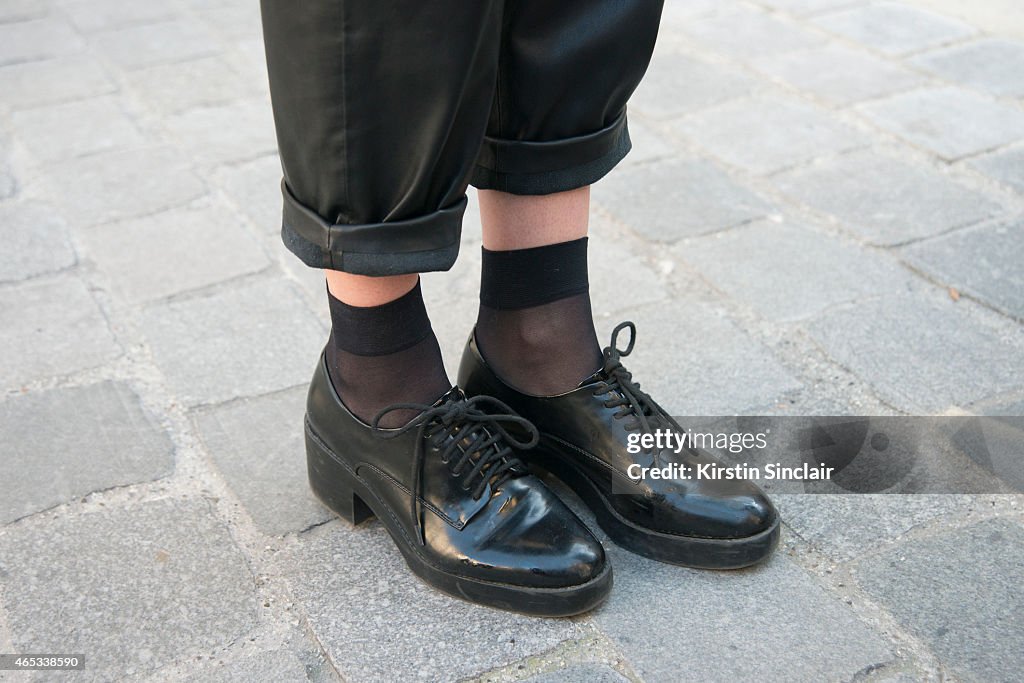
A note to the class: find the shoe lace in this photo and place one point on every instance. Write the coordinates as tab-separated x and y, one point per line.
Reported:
474	437
625	393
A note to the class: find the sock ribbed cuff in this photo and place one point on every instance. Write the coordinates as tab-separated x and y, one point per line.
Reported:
380	330
524	278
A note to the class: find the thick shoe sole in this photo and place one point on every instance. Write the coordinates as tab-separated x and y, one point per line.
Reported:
686	551
336	485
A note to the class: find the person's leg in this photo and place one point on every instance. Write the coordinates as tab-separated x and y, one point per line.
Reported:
535	324
377	138
558	124
382	349
380	109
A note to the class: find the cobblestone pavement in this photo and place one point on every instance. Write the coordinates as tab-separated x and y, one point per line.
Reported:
823	214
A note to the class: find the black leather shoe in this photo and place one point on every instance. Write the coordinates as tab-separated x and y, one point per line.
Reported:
707	523
465	513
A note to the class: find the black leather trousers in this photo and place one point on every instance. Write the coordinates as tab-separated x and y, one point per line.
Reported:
387	109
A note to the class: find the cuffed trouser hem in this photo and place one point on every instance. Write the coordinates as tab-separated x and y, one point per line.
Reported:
532	168
417	245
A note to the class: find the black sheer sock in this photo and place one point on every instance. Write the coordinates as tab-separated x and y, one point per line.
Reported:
386	354
535	325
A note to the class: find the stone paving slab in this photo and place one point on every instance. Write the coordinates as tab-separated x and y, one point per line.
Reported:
65	78
355	588
41	38
951	122
249	57
789	132
20	10
234	21
894	28
35	239
770	623
672	199
52	326
279	649
64	131
990	64
143	257
716	369
747	33
967	354
247	183
137	47
971	621
842	75
179	86
887	200
846	526
132	588
647	144
677	84
1005	166
201	131
787	271
122	184
89	16
66	443
984	262
635	273
242	341
257	445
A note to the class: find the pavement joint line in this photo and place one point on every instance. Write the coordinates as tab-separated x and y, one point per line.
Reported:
896	247
852	377
69	270
196	410
895	410
895	137
755	325
764	187
690	47
268	273
903	61
157	211
895	58
591	647
837	581
868	607
964	294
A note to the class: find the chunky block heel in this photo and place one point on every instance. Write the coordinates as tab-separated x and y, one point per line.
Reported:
332	483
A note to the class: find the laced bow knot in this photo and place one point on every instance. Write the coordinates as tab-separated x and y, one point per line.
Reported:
470	431
626	394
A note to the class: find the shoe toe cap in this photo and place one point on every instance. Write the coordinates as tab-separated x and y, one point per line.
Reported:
738	513
545	540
